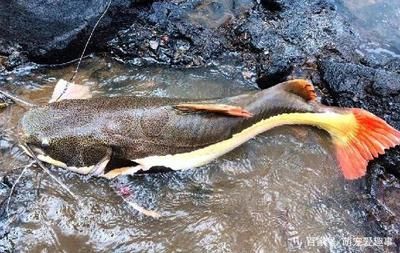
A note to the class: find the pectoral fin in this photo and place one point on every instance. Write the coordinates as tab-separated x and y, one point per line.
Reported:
230	110
66	90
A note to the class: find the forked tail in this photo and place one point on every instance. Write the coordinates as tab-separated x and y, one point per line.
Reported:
358	136
362	141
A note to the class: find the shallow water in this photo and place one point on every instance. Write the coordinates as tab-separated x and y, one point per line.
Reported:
377	20
214	13
279	192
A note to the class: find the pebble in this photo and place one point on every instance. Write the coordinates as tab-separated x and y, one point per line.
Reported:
153	44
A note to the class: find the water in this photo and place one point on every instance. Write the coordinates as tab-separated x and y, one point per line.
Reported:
378	21
276	193
212	13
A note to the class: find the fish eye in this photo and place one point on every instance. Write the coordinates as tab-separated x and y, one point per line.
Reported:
45	142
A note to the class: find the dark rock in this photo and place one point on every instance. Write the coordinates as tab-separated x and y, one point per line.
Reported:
393	65
386	83
346	79
269	44
53	31
187	45
303	29
370	86
276	73
272	5
11	55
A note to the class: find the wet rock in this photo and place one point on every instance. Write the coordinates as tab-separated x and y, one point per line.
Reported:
271	44
52	31
377	90
11	55
346	79
386	83
272	5
393	65
303	29
182	42
277	72
153	44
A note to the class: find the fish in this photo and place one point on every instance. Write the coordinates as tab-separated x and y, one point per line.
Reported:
87	135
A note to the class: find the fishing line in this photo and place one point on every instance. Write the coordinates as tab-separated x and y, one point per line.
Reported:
14	185
88	40
75	72
16	99
62	64
30	152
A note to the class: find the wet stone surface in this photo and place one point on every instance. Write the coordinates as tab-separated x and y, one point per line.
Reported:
271	43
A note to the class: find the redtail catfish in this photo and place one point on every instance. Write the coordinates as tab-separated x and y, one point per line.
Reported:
85	135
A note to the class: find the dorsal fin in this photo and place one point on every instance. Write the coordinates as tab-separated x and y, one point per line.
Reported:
300	87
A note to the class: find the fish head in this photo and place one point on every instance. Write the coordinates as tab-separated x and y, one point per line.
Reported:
54	134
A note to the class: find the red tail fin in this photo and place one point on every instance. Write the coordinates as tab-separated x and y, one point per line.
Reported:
365	142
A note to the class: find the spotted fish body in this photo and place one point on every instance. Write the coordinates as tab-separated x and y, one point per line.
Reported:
79	132
87	135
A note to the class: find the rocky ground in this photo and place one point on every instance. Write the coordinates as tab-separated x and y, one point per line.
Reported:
274	39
